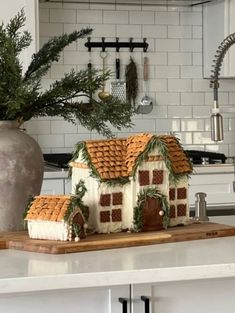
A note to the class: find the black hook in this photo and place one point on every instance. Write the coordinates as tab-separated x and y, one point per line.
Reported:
145	47
117	44
131	45
89	46
103	45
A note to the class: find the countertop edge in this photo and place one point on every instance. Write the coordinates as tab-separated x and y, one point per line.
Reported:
114	278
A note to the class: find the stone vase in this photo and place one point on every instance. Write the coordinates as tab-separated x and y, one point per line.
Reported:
21	174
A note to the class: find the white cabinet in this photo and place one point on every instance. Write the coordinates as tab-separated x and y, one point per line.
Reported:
83	300
218	23
199	296
218	187
216	181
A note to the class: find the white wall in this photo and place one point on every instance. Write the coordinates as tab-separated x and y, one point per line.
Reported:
182	99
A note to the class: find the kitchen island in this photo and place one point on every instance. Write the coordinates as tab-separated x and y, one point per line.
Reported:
193	276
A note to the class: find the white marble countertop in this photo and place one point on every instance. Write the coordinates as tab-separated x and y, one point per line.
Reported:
26	271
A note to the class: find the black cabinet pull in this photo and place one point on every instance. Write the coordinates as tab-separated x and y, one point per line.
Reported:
123	301
146	303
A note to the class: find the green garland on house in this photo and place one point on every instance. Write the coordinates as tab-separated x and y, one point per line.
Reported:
81	147
138	209
77	202
163	150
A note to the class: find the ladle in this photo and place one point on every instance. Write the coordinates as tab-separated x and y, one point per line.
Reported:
103	95
146	103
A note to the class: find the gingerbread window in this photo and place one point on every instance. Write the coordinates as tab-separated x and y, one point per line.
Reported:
144	178
105	199
104	216
157	177
181	193
172	211
117	198
172	194
117	215
181	210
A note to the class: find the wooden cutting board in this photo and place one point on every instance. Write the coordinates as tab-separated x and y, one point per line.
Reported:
21	241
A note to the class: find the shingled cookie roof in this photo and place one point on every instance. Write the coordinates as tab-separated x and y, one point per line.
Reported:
48	208
115	158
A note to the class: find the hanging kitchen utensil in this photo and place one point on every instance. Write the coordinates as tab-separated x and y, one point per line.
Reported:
103	95
131	82
146	103
118	87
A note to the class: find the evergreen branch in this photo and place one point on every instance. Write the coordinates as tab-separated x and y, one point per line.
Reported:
50	52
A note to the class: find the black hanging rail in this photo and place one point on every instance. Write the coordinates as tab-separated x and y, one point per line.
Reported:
116	44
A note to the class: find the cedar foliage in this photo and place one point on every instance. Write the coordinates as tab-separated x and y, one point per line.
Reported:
21	94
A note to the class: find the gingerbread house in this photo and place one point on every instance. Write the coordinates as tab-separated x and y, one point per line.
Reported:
136	183
56	218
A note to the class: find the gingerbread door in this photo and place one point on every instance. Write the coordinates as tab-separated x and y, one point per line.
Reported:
152	220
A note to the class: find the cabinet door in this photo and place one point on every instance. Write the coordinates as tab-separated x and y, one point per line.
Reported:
52	187
84	300
199	296
218	187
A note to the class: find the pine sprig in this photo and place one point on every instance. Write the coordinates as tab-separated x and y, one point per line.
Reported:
73	97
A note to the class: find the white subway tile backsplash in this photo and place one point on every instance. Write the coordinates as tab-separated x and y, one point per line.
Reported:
167	45
115	17
89	16
167	125
154	31
141	17
72	139
157	58
62	16
179	85
179	58
50	29
144	125
51	141
167	71
130	30
192	125
44	15
63	127
158	85
191	71
191	45
186	138
202	138
190	18
179	32
37	127
158	112
182	98
168	98
167	18
197	32
223	97
192	98
200	111
179	111
197	58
